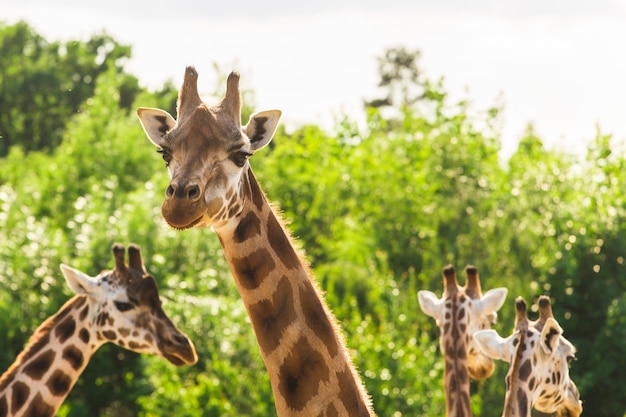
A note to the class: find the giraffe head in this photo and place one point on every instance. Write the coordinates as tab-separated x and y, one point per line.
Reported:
206	152
461	312
124	308
539	358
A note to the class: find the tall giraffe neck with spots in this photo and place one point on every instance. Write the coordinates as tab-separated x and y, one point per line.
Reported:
459	314
119	306
206	151
539	358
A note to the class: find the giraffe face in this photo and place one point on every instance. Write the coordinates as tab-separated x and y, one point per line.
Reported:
540	357
458	315
123	307
206	152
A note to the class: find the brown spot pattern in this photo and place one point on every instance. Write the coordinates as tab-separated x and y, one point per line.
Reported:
109	334
524	370
83	335
135	346
74	356
522	402
59	383
233	210
248	227
316	317
66	329
102	318
271	317
251	270
83	313
39	408
38	366
350	396
301	374
280	243
253	191
19	395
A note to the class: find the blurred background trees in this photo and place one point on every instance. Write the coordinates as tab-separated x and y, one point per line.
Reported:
378	209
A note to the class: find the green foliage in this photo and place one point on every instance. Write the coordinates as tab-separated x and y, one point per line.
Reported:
43	84
378	211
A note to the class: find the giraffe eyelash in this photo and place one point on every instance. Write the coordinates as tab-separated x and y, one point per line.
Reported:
240	158
166	155
123	306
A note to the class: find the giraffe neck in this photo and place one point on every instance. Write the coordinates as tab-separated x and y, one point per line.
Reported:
456	376
305	355
46	370
517	400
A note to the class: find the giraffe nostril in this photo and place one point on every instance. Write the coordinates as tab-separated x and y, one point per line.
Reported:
193	192
180	339
169	191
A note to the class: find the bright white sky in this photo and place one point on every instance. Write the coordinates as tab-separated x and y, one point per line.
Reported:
560	64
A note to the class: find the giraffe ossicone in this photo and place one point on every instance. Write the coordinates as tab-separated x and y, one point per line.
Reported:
206	151
460	313
120	306
539	357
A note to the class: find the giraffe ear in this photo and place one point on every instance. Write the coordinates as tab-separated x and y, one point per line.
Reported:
430	304
492	345
491	301
156	123
550	335
261	128
79	282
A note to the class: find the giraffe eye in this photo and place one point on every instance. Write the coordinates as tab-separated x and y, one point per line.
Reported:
240	158
570	359
123	306
167	156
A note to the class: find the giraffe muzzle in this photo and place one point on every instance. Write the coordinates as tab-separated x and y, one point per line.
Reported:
179	351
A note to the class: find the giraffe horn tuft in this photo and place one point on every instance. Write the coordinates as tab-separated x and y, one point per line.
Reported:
118	254
134	258
232	99
545	309
521	316
449	277
188	97
472	282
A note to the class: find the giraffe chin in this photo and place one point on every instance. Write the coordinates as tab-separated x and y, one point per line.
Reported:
183	226
178	361
180	355
180	215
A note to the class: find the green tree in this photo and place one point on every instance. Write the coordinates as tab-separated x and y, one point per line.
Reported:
42	84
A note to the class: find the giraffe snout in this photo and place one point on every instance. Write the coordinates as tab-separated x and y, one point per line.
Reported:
191	191
179	350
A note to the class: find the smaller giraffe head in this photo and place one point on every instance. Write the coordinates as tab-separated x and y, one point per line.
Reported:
539	358
461	312
206	152
124	308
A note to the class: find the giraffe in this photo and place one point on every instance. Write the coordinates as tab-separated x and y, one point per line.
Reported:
539	358
459	313
206	152
120	306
